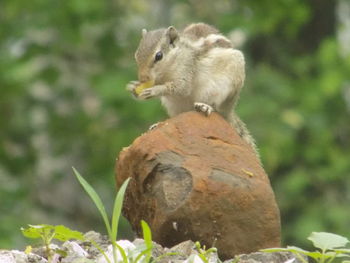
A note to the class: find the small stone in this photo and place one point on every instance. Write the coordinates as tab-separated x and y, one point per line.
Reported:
96	237
157	249
33	258
82	260
263	257
193	259
74	251
185	248
7	257
101	240
15	256
194	178
129	249
19	256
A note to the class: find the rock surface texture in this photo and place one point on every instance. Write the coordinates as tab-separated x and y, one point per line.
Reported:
185	252
193	177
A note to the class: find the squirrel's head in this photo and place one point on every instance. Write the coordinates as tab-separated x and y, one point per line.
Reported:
155	53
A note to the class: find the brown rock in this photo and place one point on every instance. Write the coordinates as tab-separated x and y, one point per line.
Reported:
195	178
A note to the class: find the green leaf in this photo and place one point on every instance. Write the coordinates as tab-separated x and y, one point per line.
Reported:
63	233
326	241
61	252
342	250
313	254
118	204
36	231
317	255
96	199
59	232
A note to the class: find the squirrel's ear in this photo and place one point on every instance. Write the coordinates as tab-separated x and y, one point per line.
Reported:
144	32
172	34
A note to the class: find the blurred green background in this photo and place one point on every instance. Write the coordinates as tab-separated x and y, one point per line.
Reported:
64	65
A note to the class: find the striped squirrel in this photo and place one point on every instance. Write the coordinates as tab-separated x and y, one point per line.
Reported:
197	68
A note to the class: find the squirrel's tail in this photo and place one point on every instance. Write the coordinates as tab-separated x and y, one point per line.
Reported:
242	130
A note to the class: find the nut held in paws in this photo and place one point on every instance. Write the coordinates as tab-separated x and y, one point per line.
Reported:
142	86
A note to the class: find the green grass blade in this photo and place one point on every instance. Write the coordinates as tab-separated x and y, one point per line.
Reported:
203	258
147	234
100	250
95	198
142	253
122	252
147	237
118	204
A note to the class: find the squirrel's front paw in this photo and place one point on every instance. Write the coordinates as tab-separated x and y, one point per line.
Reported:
155	91
202	107
131	87
146	94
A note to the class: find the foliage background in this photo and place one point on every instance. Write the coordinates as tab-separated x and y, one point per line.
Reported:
63	69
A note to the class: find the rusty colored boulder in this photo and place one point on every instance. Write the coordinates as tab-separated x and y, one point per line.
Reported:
193	177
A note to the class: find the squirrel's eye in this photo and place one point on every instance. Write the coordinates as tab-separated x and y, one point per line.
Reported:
159	56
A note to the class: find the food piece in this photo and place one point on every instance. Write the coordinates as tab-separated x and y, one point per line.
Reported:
142	86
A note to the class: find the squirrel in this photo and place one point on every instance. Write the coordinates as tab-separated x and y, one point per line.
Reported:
196	68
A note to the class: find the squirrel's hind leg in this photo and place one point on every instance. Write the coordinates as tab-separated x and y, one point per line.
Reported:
204	108
153	126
